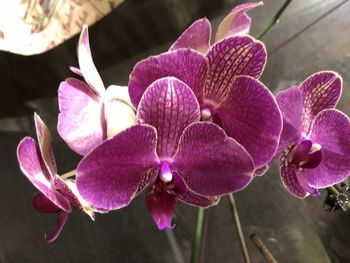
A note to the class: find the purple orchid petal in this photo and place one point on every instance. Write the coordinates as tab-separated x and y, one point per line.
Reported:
290	102
192	198
162	208
196	36
251	116
109	177
320	91
81	121
210	162
228	58
33	167
86	64
76	71
44	139
61	221
43	204
169	105
237	22
331	130
185	64
290	180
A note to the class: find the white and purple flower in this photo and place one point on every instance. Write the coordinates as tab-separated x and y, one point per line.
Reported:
89	113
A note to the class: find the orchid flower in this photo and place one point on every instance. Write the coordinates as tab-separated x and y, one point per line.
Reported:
170	153
55	195
315	141
225	83
88	112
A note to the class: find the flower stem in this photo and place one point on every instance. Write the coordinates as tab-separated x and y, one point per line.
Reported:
198	236
262	248
68	174
275	19
239	228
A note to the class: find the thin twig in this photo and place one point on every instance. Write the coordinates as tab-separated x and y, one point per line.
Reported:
204	235
307	27
68	174
275	19
239	228
198	236
262	248
179	258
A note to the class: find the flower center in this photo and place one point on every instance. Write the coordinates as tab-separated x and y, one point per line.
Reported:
305	154
168	181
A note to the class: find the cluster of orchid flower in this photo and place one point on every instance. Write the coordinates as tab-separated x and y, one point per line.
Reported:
194	124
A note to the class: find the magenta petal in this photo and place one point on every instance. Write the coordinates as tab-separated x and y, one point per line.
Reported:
192	198
290	180
320	91
43	204
185	64
86	64
331	129
44	139
110	176
169	105
210	162
196	36
32	165
290	102
300	152
162	208
81	121
228	58
251	116
237	22
61	221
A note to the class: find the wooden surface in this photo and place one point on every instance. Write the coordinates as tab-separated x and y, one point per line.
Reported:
294	230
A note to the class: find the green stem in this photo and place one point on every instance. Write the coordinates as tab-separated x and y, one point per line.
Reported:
198	236
333	190
275	19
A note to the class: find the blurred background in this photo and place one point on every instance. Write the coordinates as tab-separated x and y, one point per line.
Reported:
294	230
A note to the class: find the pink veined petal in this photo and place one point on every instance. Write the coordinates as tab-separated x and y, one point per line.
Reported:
290	102
185	64
86	64
237	22
290	180
44	139
169	105
61	221
110	176
194	199
210	162
331	129
228	58
81	121
251	116
43	204
320	91
33	167
196	36
162	208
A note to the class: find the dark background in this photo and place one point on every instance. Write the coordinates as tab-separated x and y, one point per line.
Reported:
294	230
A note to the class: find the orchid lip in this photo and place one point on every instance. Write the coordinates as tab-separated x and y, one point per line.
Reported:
305	155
